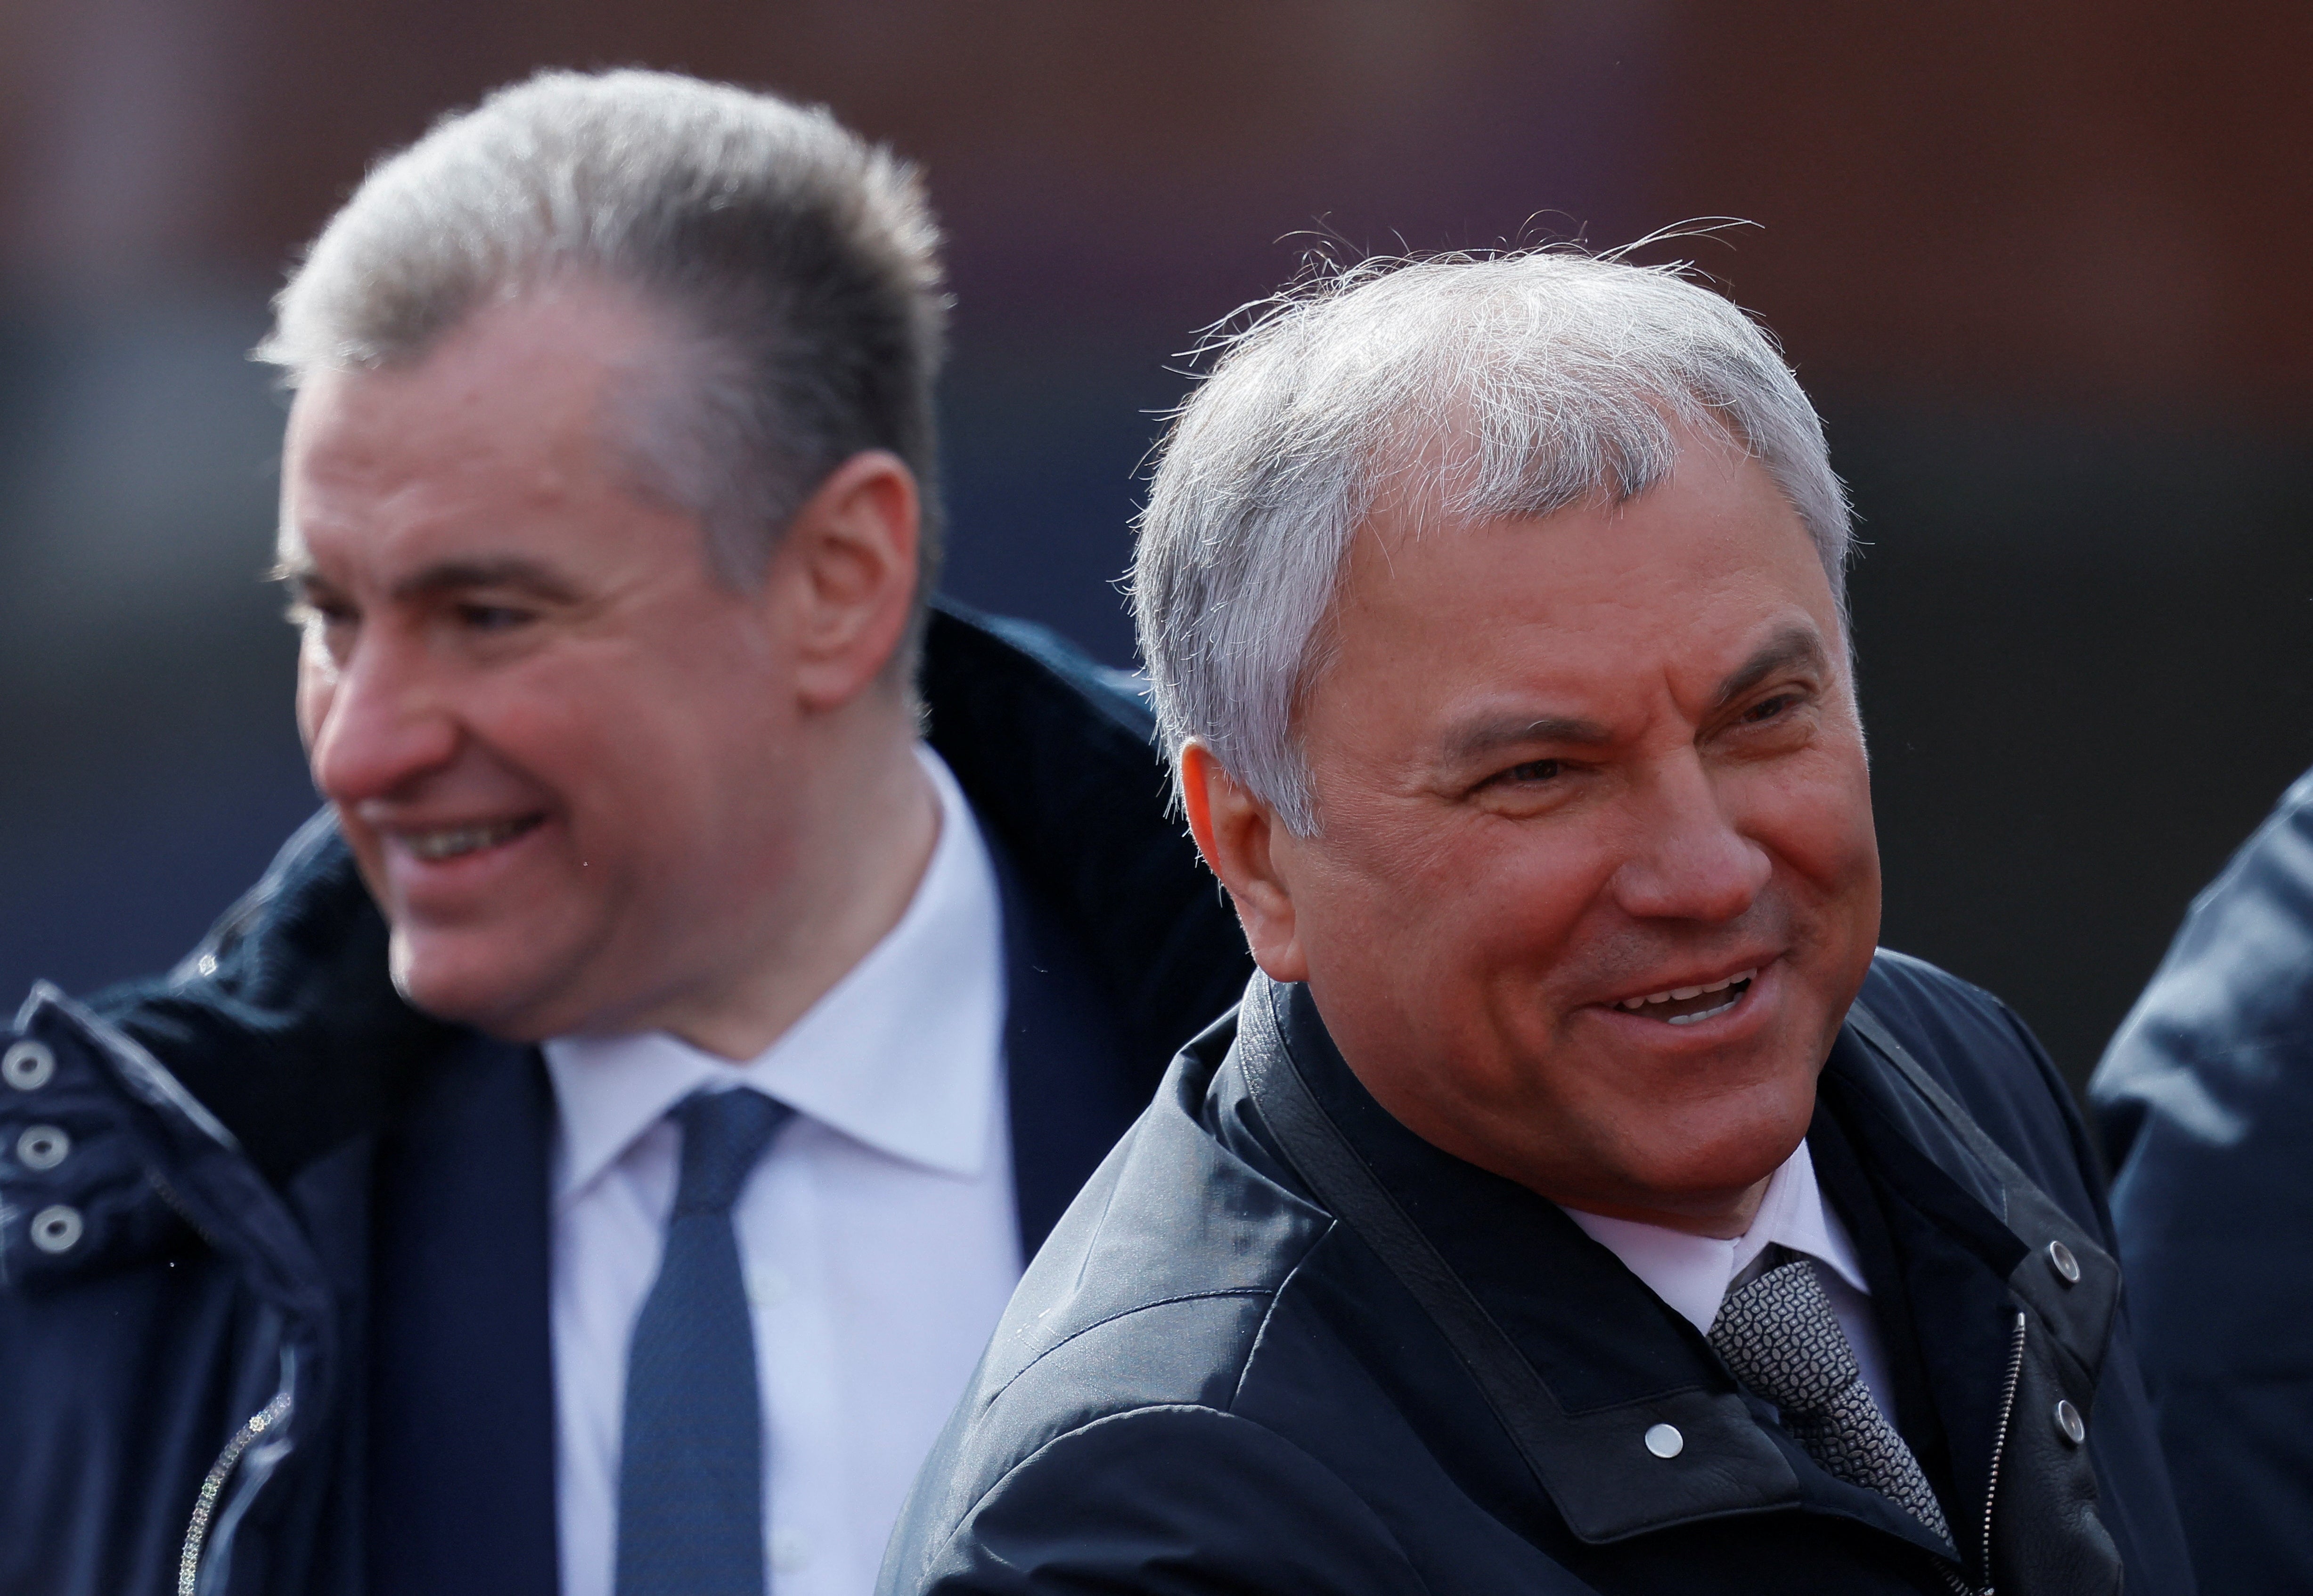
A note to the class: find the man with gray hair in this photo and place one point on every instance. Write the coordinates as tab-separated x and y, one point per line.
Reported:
1576	1200
594	1158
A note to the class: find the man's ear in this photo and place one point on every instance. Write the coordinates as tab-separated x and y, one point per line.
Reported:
1240	838
846	570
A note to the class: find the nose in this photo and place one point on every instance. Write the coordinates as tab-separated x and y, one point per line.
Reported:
1687	859
374	725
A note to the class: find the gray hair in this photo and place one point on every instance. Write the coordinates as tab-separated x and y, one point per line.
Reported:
1512	385
798	264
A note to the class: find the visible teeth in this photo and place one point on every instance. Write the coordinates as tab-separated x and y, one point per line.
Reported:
1699	1014
453	841
1681	994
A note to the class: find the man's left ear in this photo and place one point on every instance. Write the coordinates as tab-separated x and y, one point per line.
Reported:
850	564
1240	838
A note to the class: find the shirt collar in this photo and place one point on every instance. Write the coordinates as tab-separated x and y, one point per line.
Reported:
1692	1273
903	1053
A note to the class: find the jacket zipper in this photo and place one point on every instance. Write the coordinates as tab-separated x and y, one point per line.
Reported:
197	1534
1957	1585
168	1194
2000	1443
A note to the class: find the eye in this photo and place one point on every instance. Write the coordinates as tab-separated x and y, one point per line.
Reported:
1532	771
492	617
1767	709
308	612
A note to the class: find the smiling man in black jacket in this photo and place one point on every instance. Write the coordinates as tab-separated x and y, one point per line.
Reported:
1576	1201
592	1159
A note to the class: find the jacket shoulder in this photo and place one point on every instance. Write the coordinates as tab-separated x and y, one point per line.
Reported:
1161	1501
2205	1098
1152	1286
284	1023
2220	1037
1979	1050
1150	1296
1059	757
1020	654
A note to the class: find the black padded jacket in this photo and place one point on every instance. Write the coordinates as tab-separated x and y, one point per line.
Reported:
1281	1345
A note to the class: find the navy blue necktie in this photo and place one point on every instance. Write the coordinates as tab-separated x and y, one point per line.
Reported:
691	1463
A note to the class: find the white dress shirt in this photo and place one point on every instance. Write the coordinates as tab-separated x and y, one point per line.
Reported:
1692	1273
878	1232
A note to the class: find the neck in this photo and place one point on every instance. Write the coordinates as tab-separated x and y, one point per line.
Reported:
867	825
1720	1215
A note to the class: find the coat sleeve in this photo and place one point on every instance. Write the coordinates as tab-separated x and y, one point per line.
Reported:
2205	1100
1172	1500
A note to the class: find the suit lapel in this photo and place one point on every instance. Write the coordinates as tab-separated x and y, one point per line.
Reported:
461	1391
1066	1073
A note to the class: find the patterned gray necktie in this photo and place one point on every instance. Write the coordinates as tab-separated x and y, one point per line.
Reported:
1781	1339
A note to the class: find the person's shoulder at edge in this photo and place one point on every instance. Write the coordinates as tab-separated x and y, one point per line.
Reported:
2232	994
1981	1051
1121	695
1096	1448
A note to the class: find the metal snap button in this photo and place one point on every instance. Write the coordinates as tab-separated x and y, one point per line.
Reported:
28	1066
2067	1267
2069	1424
1665	1440
57	1229
42	1147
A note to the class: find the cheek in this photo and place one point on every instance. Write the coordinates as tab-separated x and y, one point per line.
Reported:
653	767
1527	900
1842	850
1480	897
1817	817
1826	846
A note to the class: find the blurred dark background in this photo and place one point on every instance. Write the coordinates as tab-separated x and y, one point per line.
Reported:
2041	266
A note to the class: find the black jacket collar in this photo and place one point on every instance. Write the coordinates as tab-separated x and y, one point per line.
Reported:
1610	1355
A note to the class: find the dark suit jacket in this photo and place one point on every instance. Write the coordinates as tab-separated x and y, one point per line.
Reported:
301	1344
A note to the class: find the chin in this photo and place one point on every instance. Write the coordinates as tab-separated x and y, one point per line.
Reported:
1715	1151
463	988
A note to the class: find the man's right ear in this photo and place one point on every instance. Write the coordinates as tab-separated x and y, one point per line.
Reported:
1241	839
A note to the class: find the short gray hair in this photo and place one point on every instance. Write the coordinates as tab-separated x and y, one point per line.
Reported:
1550	377
799	265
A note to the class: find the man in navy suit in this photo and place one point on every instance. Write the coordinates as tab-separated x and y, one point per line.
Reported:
594	1157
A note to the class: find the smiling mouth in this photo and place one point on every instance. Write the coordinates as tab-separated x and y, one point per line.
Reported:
1684	1006
453	842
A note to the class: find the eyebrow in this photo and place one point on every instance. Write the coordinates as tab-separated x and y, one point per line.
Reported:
448	576
1482	737
1793	645
511	571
